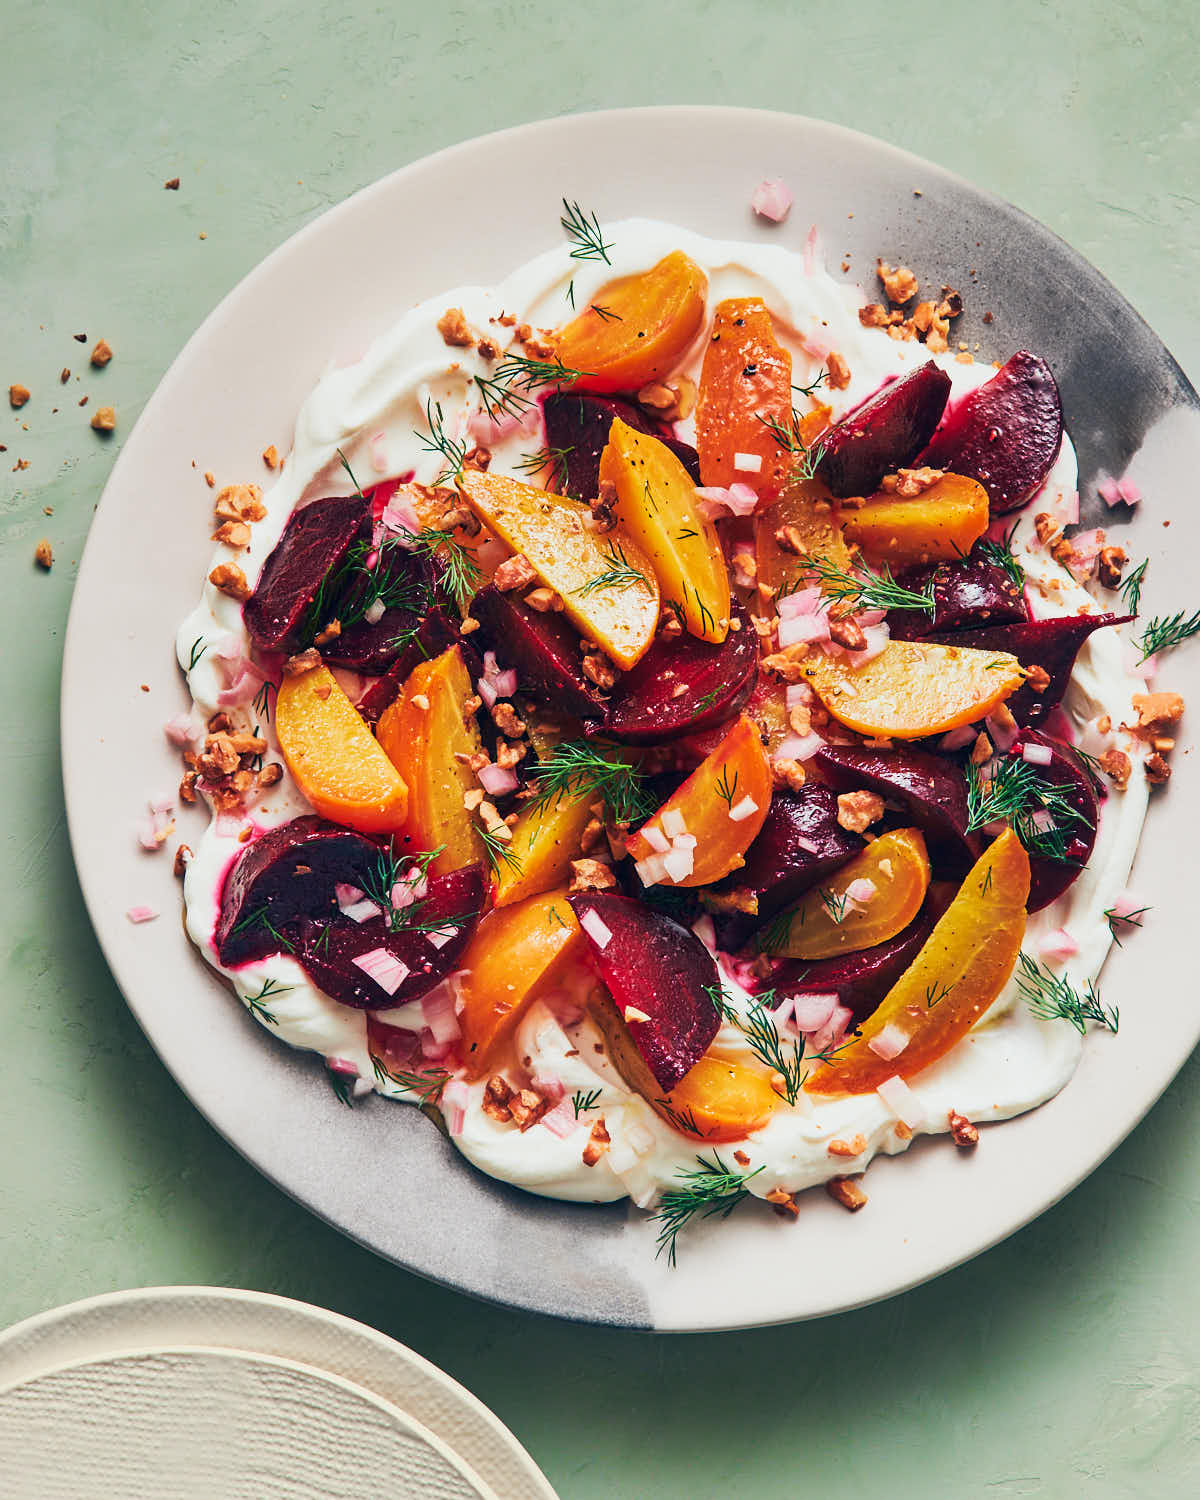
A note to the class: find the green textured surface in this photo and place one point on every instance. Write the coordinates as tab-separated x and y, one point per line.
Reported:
1063	1362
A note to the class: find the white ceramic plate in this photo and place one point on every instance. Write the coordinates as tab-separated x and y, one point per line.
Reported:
157	1319
237	386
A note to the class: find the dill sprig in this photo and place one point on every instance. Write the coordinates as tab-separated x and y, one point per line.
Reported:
1054	998
255	1003
194	656
1163	633
576	769
999	552
522	373
457	572
935	993
620	574
427	1083
553	459
342	1085
774	935
1129	919
683	1120
606	314
349	591
707	1189
758	1026
835	905
262	700
1131	588
726	789
498	850
584	232
582	1102
868	589
789	436
438	440
261	917
392	870
1016	794
814	385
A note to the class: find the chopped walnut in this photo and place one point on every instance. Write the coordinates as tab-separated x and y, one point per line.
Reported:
787	664
239	502
858	810
846	1191
875	315
786	772
593	834
454	329
1037	678
800	720
1117	766
101	354
270	456
741	1158
515	572
295	666
18	395
527	1107
837	372
603	507
182	859
510	753
847	632
791	539
742	899
543	600
981	750
671	401
899	283
43	555
496	1097
271	774
909	483
1047	528
229	579
418	700
1156	712
235	534
480	458
668	625
598	669
104	419
964	1135
784	1203
473	798
1110	564
598	1143
1157	770
855	1146
1003	716
591	875
504	716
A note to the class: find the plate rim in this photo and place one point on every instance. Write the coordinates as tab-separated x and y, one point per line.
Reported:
382	186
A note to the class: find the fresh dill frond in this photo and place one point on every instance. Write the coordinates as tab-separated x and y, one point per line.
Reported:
936	993
438	440
1054	998
457	573
522	373
774	936
501	400
706	1189
867	589
1117	919
999	552
346	465
195	655
576	769
391	870
256	1005
620	574
342	1085
790	437
835	905
1016	794
262	700
814	385
786	1059
583	230
1162	634
498	850
726	789
582	1102
1131	588
547	458
606	314
427	1084
683	1120
570	294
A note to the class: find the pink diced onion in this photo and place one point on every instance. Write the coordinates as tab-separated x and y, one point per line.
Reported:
902	1102
651	870
440	936
656	838
1058	944
743	809
1037	755
810	251
455	1098
384	968
813	1010
673	824
958	739
1126	905
434	1051
497	781
801	602
440	1015
487	692
561	1120
678	864
1001	735
861	890
141	914
342	1065
890	1041
184	731
706	931
807	629
739	499
1129	492
1041	821
595	928
810	846
375	611
747	463
772	199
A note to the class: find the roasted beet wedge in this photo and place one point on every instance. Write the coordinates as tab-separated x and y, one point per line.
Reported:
437	633
929	787
887	431
1006	434
647	704
372	646
969	593
577	426
656	970
1050	877
544	650
800	843
286	875
1051	644
314	544
328	953
859	980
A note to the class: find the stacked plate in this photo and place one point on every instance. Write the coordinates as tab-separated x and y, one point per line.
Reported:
202	1392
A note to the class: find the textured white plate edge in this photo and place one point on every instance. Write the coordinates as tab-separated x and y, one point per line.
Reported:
163	1318
403	1420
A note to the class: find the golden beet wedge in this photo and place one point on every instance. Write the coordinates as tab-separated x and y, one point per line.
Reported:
942	523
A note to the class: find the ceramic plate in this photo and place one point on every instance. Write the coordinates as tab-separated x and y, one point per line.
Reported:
320	299
155	1319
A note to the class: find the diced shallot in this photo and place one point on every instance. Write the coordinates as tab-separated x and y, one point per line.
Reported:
440	1015
375	611
745	808
595	928
651	870
342	1065
960	738
739	499
861	890
812	1010
673	823
184	731
747	463
706	931
656	838
806	629
1128	905
1058	944
902	1102
1037	755
497	781
890	1042
384	968
678	864
141	914
561	1120
455	1098
772	199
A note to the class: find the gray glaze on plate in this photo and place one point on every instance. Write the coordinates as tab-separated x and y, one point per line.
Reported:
382	1173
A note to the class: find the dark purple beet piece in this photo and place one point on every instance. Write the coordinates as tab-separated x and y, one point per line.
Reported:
799	844
315	541
327	954
1049	878
887	431
660	969
1006	434
1050	644
859	980
579	426
969	592
718	679
929	787
436	634
287	874
372	646
543	648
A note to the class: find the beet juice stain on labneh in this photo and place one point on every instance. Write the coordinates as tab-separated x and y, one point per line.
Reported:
697	724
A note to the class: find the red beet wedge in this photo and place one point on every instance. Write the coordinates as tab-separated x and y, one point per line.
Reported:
969	593
316	542
286	875
1051	644
653	968
1006	434
451	907
544	650
647	705
1075	836
436	633
929	787
577	428
887	431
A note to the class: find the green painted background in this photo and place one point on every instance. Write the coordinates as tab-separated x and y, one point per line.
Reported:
1062	1363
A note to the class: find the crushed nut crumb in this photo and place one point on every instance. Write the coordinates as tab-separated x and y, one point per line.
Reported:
598	1143
43	555
515	572
962	1132
837	371
858	810
104	419
101	354
18	395
454	329
846	1191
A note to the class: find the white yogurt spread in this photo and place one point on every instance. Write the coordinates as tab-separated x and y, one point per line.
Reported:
375	411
